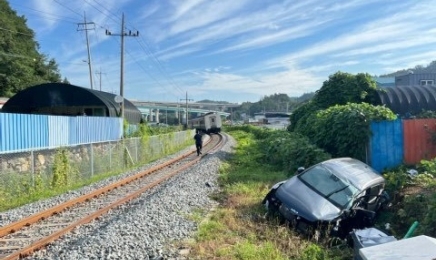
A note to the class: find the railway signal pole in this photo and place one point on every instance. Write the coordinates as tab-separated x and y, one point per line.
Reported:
122	34
84	27
186	99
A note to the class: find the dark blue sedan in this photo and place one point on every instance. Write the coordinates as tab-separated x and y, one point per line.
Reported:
340	194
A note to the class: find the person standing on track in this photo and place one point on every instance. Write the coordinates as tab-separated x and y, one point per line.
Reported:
198	142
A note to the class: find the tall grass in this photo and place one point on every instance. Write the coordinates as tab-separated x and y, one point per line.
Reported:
64	175
238	229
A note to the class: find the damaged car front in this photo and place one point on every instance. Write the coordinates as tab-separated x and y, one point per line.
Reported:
338	195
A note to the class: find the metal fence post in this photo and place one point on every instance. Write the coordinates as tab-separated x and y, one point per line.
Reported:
110	155
32	167
136	150
92	159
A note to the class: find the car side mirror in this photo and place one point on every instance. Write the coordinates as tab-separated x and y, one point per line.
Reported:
300	170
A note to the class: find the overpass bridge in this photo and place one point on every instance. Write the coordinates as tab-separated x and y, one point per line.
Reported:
152	110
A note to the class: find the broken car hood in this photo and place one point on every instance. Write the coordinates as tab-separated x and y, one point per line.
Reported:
305	202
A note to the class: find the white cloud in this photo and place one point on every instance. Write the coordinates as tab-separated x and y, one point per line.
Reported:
275	38
293	82
386	34
227	46
212	11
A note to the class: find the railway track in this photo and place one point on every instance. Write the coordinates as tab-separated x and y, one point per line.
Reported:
22	238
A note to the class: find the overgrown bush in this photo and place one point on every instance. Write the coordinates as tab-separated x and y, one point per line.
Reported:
426	114
288	151
300	116
343	130
258	132
147	130
342	88
413	198
428	166
313	252
63	173
284	150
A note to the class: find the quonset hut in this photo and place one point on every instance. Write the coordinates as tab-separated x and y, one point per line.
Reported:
69	100
408	100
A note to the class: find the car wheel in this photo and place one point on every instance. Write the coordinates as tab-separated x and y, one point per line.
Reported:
271	210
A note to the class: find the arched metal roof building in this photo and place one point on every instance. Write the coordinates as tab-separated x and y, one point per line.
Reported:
69	100
409	99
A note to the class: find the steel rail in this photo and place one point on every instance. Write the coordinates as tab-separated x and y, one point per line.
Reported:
11	228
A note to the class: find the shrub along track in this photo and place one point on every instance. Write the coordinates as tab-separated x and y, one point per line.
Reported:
21	238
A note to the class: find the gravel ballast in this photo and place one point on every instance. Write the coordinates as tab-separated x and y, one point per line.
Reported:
145	228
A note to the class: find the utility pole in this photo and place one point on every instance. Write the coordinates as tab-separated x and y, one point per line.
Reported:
122	34
84	27
166	116
186	99
99	76
178	111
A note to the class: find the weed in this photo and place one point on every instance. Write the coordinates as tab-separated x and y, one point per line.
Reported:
238	228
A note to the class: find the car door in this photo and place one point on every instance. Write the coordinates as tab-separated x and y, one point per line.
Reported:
371	199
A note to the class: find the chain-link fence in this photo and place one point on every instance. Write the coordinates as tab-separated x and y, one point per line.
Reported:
26	173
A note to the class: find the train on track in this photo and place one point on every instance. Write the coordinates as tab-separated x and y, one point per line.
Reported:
209	123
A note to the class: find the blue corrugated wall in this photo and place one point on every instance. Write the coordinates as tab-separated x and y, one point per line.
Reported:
20	132
386	144
58	127
95	129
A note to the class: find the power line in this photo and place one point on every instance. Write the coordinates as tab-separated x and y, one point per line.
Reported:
107	10
103	10
148	73
133	57
146	49
155	59
49	16
99	73
85	28
186	99
66	7
122	35
159	65
143	44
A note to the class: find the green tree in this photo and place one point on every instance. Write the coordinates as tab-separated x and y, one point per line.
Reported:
299	117
21	64
272	103
344	130
342	88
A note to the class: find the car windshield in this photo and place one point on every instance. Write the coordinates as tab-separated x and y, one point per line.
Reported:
338	191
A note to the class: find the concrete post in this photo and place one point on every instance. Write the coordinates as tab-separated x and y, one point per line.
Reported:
184	117
156	114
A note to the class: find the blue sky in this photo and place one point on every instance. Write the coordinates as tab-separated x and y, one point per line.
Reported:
230	50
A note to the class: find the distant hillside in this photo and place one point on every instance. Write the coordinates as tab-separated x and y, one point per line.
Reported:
213	102
281	103
304	97
430	68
